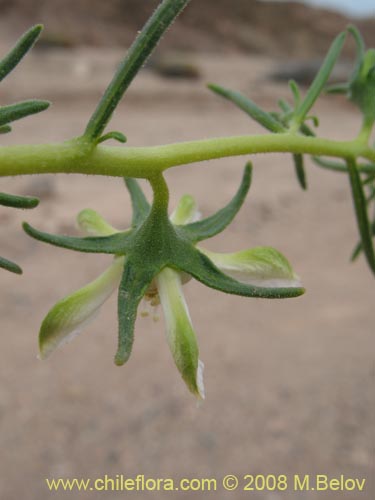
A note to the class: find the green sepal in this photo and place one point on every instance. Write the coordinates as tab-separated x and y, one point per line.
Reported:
117	136
21	110
320	80
10	266
360	206
204	270
117	244
23	45
10	200
361	47
249	107
140	205
209	227
300	170
135	281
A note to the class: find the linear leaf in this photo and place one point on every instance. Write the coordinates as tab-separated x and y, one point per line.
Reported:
249	107
360	206
320	80
5	129
338	166
10	266
23	45
359	248
20	110
10	200
115	135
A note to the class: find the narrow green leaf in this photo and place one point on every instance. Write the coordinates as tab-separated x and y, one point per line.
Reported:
117	136
320	80
23	45
359	201
249	107
5	129
140	205
116	244
134	284
306	130
136	57
300	170
370	178
202	269
285	106
356	252
20	110
296	92
209	227
10	266
359	248
337	88
10	200
361	47
338	166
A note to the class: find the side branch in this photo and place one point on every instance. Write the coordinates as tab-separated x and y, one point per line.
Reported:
79	157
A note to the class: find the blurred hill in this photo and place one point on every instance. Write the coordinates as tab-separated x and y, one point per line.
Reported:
211	25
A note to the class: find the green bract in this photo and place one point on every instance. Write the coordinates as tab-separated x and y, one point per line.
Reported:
152	260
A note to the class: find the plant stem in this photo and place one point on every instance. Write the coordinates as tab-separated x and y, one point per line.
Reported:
80	157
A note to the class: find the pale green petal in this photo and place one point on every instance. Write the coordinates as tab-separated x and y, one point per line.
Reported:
262	266
180	334
93	223
70	314
186	211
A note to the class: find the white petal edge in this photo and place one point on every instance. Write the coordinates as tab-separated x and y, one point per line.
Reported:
259	266
179	330
69	316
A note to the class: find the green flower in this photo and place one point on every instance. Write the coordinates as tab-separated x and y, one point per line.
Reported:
153	260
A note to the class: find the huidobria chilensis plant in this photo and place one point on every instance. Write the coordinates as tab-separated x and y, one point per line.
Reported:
162	250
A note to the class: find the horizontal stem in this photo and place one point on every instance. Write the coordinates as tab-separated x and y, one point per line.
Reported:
80	157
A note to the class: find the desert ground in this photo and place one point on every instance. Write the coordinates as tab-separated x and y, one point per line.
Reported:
290	384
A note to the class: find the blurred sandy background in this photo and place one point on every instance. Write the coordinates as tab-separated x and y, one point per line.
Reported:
290	384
